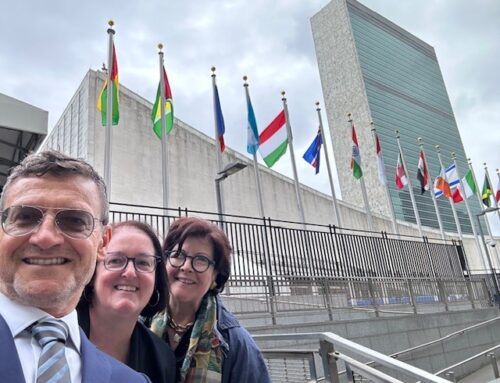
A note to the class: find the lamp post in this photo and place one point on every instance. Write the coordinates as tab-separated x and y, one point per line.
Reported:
229	169
495	280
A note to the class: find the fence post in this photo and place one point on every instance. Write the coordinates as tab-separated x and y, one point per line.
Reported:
329	362
326	294
373	296
413	301
442	293
470	291
493	360
270	282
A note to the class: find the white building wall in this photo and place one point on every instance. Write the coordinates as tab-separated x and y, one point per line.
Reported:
136	167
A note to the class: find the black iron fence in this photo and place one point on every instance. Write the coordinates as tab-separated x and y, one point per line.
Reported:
263	246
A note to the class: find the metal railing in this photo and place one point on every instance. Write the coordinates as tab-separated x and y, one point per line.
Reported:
489	354
322	299
336	351
265	246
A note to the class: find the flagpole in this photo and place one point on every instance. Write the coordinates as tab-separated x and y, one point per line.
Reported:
491	186
481	205
292	157
410	189
164	143
474	231
431	189
386	186
363	187
338	219
109	112
217	150
450	199
255	163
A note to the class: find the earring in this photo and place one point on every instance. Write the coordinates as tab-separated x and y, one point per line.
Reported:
213	286
157	299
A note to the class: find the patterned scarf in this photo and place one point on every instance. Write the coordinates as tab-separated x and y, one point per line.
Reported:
203	360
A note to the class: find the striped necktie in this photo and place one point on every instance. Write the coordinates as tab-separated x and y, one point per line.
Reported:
53	367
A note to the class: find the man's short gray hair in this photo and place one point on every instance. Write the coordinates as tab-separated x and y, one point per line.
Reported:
57	164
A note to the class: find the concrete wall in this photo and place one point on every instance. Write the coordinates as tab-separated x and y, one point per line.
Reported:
390	335
136	167
18	115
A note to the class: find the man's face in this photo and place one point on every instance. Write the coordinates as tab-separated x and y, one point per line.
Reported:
46	268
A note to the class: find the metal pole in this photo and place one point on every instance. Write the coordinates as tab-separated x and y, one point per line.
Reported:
386	186
431	190
255	163
410	189
338	219
220	192
292	157
472	223
109	112
164	143
363	187
495	280
219	201
481	205
455	216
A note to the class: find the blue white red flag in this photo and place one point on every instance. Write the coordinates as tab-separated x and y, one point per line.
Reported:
219	120
312	154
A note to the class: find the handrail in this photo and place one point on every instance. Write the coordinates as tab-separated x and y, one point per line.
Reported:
446	337
360	351
364	370
482	353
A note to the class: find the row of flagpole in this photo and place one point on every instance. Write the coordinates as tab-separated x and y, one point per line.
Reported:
273	142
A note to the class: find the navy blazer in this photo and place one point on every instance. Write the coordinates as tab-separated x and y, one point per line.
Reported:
97	367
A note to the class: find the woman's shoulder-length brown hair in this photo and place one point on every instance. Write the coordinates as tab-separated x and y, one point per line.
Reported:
195	227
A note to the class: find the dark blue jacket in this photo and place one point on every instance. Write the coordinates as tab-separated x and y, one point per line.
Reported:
243	362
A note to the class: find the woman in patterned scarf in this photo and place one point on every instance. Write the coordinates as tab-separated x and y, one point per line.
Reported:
209	343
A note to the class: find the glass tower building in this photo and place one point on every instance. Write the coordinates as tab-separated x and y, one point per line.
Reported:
379	72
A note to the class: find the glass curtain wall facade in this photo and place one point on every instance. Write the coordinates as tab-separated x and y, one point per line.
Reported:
406	92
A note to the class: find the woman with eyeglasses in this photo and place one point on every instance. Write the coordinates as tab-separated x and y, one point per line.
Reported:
209	343
129	282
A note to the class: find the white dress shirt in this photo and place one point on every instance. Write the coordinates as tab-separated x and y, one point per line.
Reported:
19	318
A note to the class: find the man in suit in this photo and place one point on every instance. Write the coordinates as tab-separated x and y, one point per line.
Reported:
54	217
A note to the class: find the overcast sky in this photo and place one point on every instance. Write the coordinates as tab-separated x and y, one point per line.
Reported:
48	46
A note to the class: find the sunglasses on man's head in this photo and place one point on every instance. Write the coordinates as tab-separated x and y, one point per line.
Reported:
19	220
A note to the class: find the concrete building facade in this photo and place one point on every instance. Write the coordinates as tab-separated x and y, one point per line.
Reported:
22	129
379	72
136	167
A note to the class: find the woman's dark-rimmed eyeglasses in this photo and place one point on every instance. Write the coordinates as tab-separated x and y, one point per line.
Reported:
116	261
199	263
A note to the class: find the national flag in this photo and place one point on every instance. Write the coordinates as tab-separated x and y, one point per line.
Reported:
401	179
422	173
102	103
169	108
312	154
356	156
446	182
486	192
380	162
252	131
219	119
273	140
469	188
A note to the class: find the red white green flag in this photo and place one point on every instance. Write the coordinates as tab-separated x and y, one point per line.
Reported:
273	140
469	188
169	108
356	156
102	103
